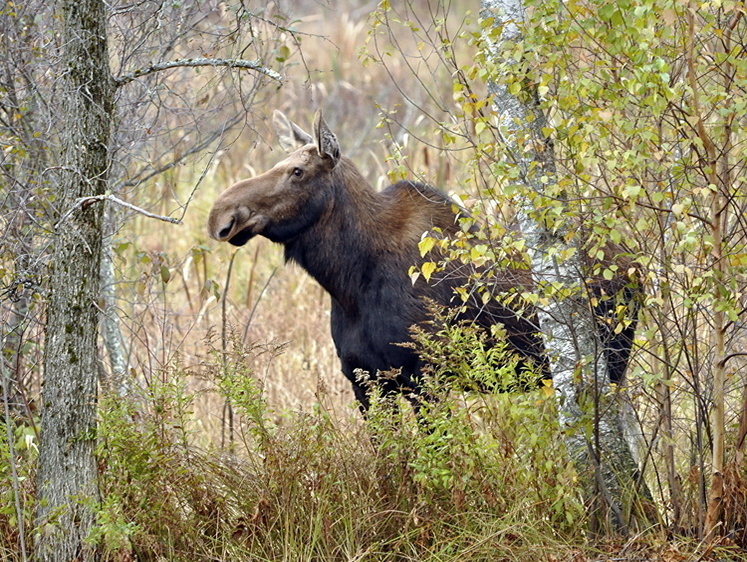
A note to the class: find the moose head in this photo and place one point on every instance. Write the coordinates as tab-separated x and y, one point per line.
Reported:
284	201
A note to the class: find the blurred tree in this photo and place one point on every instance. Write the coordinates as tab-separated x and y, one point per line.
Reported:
23	158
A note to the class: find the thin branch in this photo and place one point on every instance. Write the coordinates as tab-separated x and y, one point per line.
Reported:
726	359
198	148
180	63
256	303
5	376
86	201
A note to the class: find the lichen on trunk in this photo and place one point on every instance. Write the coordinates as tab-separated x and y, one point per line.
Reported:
67	484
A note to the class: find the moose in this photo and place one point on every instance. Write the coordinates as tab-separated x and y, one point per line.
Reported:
359	244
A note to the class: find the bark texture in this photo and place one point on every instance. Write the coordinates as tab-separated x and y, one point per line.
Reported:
602	455
67	484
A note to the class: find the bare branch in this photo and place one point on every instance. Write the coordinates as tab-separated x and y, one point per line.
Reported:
140	177
726	359
180	63
85	201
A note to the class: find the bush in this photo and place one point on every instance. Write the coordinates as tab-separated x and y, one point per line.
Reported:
469	476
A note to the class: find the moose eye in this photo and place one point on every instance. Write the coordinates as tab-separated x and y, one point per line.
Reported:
298	172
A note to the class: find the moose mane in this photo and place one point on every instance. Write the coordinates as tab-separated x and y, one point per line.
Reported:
364	229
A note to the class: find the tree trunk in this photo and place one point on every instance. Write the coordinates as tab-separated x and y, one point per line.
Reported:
720	171
67	484
118	380
601	454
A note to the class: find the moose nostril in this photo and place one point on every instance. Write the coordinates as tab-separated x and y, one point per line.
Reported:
224	232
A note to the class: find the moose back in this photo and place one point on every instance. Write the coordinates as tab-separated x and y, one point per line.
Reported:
359	245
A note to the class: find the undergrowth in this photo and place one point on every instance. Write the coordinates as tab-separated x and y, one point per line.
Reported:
471	477
464	480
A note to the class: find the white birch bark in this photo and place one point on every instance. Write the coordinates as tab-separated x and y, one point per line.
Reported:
603	457
111	331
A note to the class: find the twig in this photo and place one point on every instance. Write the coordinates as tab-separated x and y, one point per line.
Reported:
141	177
231	63
256	303
726	359
85	201
227	406
12	458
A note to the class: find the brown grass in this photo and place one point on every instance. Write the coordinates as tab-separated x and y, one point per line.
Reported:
267	301
181	311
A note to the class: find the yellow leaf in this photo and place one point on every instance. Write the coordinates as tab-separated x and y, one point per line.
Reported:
425	245
428	268
462	292
547	389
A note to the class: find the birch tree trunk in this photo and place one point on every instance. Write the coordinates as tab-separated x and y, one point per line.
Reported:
111	331
601	454
67	484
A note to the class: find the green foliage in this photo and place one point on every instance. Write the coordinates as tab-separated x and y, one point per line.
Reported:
643	102
457	481
20	478
463	355
643	121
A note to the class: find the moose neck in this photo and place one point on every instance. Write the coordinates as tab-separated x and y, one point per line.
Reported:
343	250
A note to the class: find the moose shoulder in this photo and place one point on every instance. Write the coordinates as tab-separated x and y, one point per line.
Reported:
359	245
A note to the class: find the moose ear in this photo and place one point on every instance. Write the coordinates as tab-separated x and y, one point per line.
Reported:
326	141
290	135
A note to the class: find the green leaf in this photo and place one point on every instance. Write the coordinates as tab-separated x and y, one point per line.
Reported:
284	53
633	191
165	274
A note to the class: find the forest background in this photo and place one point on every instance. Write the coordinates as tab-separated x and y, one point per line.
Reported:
224	428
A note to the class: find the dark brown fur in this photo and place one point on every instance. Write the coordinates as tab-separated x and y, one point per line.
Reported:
359	245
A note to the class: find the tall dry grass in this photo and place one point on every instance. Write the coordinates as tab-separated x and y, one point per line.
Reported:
293	474
377	114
